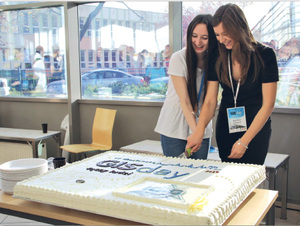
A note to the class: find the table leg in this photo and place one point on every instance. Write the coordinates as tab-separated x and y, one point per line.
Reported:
285	172
35	149
57	138
272	182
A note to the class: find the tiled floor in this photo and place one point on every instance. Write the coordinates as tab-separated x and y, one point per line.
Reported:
293	218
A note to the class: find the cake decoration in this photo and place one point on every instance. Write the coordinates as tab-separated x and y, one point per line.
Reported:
198	204
80	181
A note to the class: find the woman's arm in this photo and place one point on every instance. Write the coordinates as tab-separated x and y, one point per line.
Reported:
180	86
206	114
269	97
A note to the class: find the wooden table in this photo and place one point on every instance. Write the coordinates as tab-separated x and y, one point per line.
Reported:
31	136
250	212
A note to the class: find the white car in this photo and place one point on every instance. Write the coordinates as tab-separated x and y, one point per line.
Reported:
4	89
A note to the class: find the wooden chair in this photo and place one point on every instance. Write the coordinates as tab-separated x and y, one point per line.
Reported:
102	134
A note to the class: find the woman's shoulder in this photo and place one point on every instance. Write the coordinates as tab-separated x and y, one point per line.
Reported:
178	55
264	49
267	53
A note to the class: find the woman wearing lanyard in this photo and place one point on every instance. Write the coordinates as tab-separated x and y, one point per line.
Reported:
248	74
186	90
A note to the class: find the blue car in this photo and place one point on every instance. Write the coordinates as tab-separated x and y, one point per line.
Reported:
161	80
106	77
57	88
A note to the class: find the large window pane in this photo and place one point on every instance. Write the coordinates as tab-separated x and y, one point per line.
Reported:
124	50
277	24
32	47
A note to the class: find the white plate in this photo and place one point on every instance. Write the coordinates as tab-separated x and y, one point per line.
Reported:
23	165
8	186
22	175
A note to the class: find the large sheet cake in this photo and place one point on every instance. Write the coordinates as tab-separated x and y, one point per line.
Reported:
146	188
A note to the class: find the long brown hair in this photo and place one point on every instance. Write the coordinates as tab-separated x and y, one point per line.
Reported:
236	26
192	58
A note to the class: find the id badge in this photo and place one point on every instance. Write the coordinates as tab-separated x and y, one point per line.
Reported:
236	119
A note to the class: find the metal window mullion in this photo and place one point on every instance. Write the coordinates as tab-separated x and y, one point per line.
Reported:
73	59
175	26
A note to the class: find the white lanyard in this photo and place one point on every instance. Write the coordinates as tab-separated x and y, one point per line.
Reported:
238	85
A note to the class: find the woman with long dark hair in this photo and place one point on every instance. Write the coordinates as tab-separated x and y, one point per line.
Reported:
248	73
186	90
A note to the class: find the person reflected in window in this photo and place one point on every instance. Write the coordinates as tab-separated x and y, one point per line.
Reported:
166	56
122	56
186	90
39	69
58	63
148	58
248	73
19	76
129	57
141	64
141	60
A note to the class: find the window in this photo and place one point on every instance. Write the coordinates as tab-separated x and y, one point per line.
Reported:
45	20
129	56
275	24
35	23
81	23
82	59
25	23
54	21
33	55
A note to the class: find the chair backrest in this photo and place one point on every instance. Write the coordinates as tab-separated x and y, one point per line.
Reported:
103	126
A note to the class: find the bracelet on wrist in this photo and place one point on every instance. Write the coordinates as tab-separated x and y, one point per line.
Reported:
240	143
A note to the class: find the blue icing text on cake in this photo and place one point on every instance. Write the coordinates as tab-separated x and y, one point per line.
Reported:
127	166
134	166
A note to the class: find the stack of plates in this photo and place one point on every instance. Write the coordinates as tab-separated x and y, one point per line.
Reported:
17	170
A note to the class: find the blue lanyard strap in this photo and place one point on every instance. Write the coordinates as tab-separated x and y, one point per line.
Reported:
201	87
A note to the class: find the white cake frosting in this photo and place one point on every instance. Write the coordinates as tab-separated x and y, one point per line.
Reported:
147	188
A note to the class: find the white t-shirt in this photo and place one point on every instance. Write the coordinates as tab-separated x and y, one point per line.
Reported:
171	121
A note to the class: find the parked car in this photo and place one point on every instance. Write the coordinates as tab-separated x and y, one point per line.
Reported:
161	80
57	88
96	78
106	77
4	89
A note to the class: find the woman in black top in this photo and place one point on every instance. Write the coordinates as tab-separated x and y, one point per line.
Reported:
248	74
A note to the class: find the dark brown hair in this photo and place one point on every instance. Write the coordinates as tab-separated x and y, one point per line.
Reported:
192	58
236	26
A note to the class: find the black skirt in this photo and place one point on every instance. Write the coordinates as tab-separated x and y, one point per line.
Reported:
257	148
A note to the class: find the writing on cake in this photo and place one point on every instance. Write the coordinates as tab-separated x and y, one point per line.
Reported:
138	167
